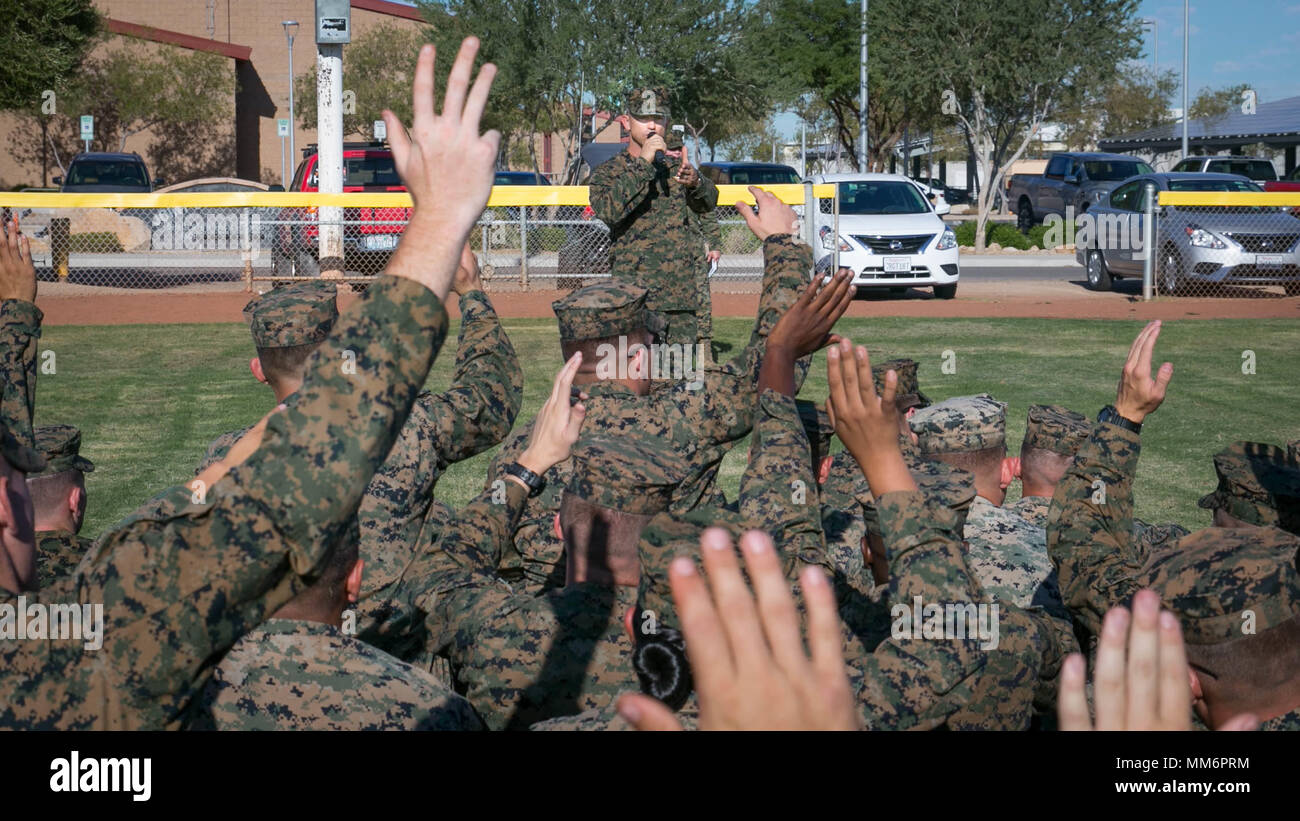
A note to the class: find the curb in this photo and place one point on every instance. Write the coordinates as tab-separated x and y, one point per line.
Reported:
1018	261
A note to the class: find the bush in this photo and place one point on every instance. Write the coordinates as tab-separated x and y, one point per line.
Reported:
95	242
1004	234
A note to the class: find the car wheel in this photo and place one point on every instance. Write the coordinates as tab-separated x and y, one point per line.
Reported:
1169	273
1098	273
945	291
1024	215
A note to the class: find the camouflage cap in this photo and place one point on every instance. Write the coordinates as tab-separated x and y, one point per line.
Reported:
941	484
17	454
647	102
1217	575
1293	449
908	394
299	313
1058	429
632	474
603	310
961	425
1259	484
60	445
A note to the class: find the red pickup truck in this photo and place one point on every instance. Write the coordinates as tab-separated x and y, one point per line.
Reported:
1291	182
368	242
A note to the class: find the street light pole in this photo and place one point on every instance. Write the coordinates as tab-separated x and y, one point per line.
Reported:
862	96
1155	43
290	26
1187	36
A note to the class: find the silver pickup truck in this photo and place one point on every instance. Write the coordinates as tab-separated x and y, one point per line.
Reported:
1072	180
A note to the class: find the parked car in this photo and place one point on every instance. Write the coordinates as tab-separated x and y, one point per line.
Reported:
748	173
1071	180
890	235
1291	182
102	173
1254	168
952	196
154	217
230	185
367	246
1239	245
519	178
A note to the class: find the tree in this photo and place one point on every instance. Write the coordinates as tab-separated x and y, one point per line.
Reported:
1215	104
378	69
1134	100
42	44
1005	68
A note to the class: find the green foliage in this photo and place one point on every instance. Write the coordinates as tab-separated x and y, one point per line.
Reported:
42	44
95	242
378	67
1003	233
1215	104
1135	99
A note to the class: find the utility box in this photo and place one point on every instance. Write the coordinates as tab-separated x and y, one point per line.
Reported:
333	22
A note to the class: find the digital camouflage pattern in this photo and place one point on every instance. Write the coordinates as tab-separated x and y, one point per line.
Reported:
296	313
58	552
703	419
20	327
17	454
1146	537
960	425
1258	484
1056	428
600	311
651	101
290	674
60	445
607	719
630	474
654	237
181	580
907	392
1008	555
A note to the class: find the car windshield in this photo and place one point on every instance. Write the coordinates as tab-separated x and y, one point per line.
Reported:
763	176
1254	169
517	178
370	170
881	197
106	172
1213	185
1114	170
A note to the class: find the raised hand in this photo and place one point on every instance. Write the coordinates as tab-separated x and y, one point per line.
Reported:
773	217
17	272
687	175
558	423
747	658
865	422
805	327
467	272
1139	394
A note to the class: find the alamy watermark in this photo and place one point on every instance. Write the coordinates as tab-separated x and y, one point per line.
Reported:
226	229
946	621
1104	232
661	361
39	621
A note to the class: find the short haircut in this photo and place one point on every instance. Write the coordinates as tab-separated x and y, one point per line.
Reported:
1263	661
286	364
1040	466
591	347
50	492
974	461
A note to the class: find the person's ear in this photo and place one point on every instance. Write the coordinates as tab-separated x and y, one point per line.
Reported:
824	470
76	497
629	616
353	583
1010	470
255	365
1195	682
624	122
559	531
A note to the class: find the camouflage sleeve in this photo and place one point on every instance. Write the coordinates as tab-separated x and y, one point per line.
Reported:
703	198
20	327
1090	526
712	230
480	407
617	188
218	448
778	488
906	678
179	590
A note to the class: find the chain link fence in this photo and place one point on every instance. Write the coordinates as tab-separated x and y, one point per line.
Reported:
222	246
1200	243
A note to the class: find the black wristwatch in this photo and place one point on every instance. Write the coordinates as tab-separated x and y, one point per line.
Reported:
536	484
1111	416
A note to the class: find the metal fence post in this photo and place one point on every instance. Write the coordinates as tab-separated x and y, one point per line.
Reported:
811	209
835	237
60	245
523	247
1148	243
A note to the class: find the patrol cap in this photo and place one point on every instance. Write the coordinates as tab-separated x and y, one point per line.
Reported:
60	445
961	425
651	101
299	313
605	309
908	393
1218	574
1055	428
941	484
17	454
1259	484
632	474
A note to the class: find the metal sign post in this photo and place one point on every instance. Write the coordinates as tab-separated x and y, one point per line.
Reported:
282	131
1148	240
87	129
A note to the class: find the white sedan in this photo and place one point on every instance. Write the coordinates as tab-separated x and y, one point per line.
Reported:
890	235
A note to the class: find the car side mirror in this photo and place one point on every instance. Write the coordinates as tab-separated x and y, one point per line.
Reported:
275	189
57	180
1072	179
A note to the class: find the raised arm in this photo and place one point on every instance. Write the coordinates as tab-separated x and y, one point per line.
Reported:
20	327
617	189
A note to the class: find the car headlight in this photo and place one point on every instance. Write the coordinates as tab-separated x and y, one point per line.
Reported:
1201	238
828	240
947	240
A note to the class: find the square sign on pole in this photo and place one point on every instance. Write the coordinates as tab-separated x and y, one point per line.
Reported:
282	127
381	131
87	129
333	22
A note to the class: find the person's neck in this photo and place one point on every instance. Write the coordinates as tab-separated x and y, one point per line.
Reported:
633	149
57	525
304	611
1282	701
1046	491
284	391
991	491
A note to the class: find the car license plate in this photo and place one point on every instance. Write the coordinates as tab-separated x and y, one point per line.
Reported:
1270	259
379	242
898	265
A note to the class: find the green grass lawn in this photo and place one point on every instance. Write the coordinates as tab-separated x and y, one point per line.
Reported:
148	399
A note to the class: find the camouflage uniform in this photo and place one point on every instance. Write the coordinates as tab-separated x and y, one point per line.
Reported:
291	674
183	580
703	419
58	552
20	327
1259	484
711	231
472	415
654	237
